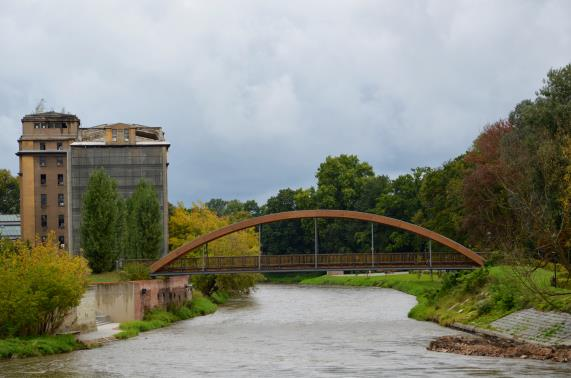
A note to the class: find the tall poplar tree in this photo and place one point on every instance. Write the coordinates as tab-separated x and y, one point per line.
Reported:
144	224
99	221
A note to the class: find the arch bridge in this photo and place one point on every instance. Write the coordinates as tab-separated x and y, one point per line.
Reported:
177	263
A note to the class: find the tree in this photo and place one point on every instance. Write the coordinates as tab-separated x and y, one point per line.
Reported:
441	200
100	221
9	193
186	225
403	202
286	236
40	284
144	223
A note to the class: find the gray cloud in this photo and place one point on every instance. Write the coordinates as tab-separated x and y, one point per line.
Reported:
254	94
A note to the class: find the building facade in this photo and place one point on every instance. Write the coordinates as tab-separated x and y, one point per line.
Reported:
57	157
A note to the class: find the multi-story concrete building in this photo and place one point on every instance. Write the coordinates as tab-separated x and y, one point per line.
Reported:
57	157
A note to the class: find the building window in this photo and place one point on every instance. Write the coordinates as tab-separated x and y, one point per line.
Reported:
59	161
44	221
43	125
43	179
42	161
60	222
126	135
44	200
42	146
59	146
114	135
64	125
36	125
60	179
60	201
61	240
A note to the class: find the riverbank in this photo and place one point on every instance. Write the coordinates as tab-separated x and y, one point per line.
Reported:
46	345
38	346
479	299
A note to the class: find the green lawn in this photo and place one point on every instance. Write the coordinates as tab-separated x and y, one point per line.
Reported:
105	277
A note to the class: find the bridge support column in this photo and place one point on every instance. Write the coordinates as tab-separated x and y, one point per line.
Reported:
260	242
316	243
430	256
372	245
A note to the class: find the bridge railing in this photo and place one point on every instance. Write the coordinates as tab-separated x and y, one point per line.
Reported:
341	261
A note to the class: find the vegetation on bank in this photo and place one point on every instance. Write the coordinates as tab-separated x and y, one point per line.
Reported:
475	297
40	284
38	346
198	306
290	278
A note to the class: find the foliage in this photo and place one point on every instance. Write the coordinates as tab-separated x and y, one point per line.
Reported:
234	209
198	306
9	193
37	346
40	284
144	223
135	271
100	221
186	225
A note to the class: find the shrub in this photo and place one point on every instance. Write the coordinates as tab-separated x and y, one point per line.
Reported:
135	271
40	284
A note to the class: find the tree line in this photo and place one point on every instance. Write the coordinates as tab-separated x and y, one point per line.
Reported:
510	192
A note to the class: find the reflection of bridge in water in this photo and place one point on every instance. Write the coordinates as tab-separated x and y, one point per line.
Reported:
177	262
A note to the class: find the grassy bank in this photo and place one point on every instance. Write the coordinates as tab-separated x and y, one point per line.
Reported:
476	297
38	346
290	278
199	305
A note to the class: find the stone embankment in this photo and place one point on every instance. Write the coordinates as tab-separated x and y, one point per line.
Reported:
523	334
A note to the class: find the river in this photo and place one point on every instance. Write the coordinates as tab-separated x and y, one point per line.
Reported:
288	331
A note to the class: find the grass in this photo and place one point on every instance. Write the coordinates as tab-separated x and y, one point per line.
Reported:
290	278
414	284
105	277
38	346
476	297
198	306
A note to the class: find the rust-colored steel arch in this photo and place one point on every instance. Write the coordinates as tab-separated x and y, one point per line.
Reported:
303	214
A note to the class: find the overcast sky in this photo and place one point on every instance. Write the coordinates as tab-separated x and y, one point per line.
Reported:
253	95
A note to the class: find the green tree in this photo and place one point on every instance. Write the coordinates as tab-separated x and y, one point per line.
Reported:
403	202
287	236
144	223
9	193
441	200
100	221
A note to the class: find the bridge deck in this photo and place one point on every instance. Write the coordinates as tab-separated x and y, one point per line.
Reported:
308	262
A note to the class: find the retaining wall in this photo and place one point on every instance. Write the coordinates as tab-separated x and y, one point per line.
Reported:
126	301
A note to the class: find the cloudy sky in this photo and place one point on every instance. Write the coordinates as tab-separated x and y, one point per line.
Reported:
253	95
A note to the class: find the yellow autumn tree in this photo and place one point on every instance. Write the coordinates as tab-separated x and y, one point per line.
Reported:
40	284
186	225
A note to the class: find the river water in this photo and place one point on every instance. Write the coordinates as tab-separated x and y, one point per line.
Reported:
288	331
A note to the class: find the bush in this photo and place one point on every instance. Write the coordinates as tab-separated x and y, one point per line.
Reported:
40	284
38	346
232	284
135	271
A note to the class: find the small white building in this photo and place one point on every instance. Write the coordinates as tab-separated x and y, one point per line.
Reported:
10	226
